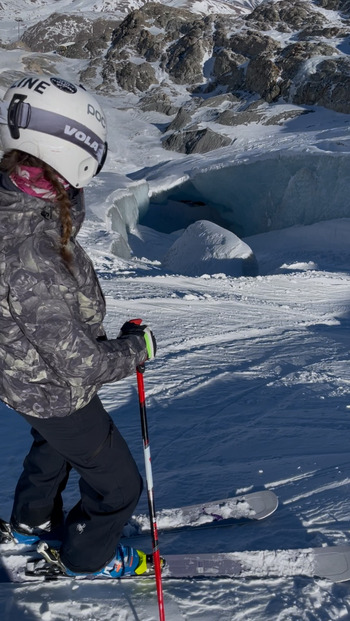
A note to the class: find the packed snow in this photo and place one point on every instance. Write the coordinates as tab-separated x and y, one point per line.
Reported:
250	388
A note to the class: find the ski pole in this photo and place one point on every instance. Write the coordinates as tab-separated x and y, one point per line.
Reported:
149	478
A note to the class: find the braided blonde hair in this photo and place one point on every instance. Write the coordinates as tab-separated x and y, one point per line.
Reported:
15	158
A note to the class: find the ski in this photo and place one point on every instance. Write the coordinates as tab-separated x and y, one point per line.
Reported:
331	563
252	506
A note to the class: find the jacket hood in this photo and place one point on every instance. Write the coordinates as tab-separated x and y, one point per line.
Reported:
22	215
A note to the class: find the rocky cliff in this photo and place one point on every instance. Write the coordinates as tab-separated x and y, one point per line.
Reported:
280	51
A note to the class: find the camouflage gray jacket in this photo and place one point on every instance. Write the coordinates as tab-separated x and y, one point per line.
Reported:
52	358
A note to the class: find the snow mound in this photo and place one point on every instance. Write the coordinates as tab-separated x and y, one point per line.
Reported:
205	247
303	248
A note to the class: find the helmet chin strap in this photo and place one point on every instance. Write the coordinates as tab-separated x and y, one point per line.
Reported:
3	112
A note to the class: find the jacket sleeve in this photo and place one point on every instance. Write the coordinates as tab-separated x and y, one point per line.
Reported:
46	309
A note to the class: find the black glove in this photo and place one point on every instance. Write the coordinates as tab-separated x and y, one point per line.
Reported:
130	327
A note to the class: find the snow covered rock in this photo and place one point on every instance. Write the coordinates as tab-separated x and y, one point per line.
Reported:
327	84
135	77
262	77
182	118
159	101
335	5
206	248
279	49
157	33
285	16
251	43
74	36
185	58
195	141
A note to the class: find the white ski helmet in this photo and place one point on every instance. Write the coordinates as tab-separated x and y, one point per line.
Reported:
58	122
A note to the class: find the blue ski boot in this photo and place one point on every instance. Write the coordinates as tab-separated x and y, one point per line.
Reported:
28	535
127	562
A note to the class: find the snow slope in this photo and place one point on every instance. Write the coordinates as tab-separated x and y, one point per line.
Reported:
250	389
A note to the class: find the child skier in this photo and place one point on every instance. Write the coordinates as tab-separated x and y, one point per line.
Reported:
54	353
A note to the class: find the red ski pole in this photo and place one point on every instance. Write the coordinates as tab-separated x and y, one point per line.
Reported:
149	478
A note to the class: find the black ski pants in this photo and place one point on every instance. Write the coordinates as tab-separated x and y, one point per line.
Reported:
110	484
